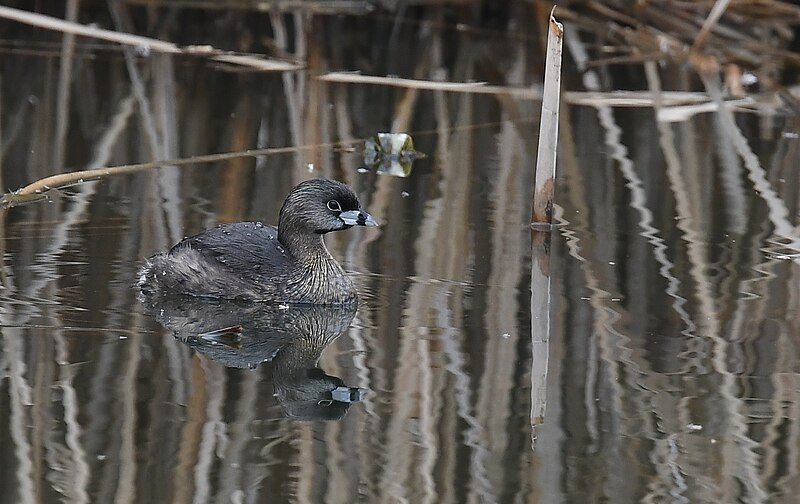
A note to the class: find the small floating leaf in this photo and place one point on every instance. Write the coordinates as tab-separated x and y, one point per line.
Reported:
391	154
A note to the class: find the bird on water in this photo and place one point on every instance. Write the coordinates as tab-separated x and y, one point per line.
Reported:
251	261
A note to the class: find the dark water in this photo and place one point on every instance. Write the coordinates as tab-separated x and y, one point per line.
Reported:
670	372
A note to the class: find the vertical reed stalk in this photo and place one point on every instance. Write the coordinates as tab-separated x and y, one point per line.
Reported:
542	219
542	214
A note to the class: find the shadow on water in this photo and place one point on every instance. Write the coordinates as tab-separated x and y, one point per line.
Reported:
671	369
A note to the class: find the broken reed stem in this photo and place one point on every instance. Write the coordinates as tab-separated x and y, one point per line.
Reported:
542	220
716	13
542	215
37	190
254	61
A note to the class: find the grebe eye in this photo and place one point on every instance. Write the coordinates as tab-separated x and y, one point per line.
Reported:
334	206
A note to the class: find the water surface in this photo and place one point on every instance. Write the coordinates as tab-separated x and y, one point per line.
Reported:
671	362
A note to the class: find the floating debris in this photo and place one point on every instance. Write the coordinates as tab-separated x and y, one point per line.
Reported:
230	336
391	154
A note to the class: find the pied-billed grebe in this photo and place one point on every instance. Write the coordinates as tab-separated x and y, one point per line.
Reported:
254	262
